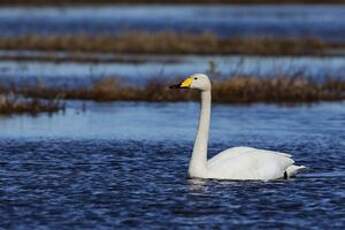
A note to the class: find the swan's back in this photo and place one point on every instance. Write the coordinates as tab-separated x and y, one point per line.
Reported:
245	163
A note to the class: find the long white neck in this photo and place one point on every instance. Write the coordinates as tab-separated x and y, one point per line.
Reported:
198	162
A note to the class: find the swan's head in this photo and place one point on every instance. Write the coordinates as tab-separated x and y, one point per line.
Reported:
196	81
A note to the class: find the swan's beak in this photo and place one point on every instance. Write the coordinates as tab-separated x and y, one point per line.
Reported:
184	84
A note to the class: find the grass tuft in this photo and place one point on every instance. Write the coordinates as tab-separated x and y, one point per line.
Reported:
11	104
237	89
169	43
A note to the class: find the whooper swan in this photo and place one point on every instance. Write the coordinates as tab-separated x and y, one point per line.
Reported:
238	163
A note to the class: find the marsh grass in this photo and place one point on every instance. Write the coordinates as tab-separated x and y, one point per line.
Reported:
169	43
237	89
13	104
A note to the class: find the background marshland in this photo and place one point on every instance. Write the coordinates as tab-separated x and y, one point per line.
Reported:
174	44
90	136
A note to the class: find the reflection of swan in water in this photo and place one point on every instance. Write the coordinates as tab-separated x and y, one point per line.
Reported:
196	185
239	163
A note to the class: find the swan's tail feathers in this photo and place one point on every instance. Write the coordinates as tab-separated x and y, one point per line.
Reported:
293	170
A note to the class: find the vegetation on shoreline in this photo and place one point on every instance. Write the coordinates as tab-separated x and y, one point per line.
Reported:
101	2
11	104
170	43
238	89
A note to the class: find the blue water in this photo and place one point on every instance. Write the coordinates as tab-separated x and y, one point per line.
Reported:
321	21
123	165
166	67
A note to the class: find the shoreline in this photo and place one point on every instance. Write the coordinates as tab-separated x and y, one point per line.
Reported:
165	43
238	89
11	104
96	57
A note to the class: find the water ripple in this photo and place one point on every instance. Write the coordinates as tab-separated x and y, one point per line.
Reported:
109	183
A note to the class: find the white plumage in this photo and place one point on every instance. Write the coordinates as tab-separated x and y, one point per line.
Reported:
238	163
246	163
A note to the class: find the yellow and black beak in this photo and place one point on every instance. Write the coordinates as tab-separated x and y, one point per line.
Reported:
184	84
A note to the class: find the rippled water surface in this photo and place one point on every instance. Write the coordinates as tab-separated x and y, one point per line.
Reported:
124	165
165	67
322	21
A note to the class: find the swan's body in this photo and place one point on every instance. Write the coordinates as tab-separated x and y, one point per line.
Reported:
245	163
238	163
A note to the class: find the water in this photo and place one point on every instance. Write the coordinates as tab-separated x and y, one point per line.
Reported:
320	21
123	165
138	69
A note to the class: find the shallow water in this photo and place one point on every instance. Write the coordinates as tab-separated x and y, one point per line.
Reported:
167	67
322	21
124	165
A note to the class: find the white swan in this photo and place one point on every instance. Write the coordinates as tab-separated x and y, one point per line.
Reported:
238	163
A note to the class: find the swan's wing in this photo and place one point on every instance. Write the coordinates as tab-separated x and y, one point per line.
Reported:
249	163
236	151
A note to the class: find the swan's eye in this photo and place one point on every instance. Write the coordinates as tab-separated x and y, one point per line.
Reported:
195	78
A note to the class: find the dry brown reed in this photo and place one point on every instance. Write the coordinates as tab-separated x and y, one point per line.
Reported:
12	104
238	89
169	43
